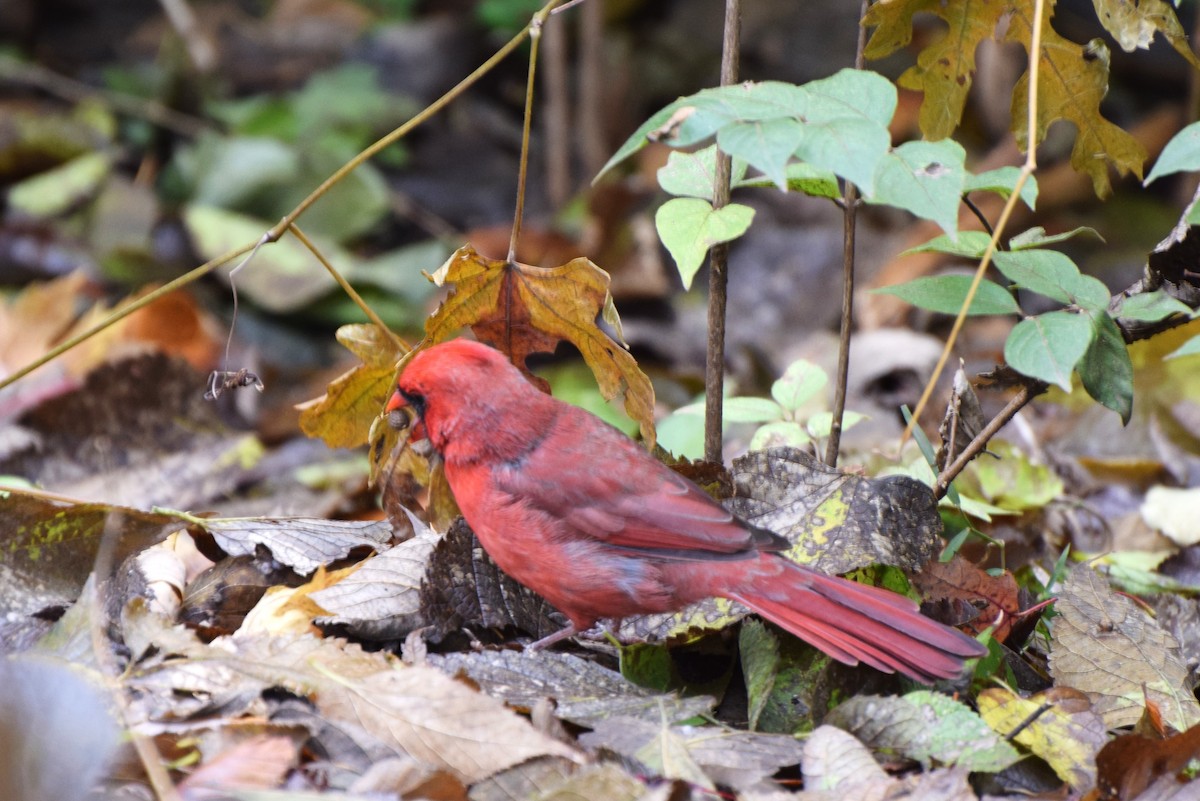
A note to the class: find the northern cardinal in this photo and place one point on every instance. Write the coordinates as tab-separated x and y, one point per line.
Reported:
581	514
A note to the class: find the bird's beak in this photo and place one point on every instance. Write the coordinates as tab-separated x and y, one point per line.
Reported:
408	418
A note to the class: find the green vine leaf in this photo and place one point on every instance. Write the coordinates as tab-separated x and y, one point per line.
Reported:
925	178
945	294
1048	347
689	226
1182	154
1106	369
1053	274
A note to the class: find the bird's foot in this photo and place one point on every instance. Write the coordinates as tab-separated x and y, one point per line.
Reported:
546	642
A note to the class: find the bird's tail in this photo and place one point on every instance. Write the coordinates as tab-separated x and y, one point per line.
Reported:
856	623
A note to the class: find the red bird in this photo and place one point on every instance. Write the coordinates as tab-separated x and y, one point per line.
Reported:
578	512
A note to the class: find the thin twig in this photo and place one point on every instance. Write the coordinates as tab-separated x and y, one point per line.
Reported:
349	290
980	441
979	215
535	38
849	226
1027	169
718	257
119	314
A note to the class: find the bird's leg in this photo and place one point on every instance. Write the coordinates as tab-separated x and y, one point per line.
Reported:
546	642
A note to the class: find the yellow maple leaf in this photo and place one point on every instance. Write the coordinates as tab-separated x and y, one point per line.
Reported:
521	309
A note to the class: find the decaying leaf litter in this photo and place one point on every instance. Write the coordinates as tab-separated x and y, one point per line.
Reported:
262	650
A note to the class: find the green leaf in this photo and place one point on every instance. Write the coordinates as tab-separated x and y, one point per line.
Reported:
751	410
783	433
1002	181
766	145
232	171
821	423
925	178
1106	370
946	293
1189	348
1181	154
638	139
924	725
693	174
1053	274
1150	307
1036	237
799	383
56	191
846	125
688	227
682	433
970	245
1048	347
801	177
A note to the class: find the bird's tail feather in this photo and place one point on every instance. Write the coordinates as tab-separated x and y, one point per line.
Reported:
857	623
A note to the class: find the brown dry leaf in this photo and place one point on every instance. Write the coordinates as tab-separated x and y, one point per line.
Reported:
835	760
1067	734
522	310
382	599
343	416
553	779
583	691
290	610
463	586
700	755
137	433
1129	764
301	543
1109	648
418	711
43	315
260	762
960	580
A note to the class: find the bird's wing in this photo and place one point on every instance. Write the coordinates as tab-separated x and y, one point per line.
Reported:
605	486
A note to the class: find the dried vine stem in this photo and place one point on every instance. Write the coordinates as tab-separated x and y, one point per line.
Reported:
718	258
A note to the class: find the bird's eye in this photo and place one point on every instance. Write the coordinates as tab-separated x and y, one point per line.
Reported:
415	400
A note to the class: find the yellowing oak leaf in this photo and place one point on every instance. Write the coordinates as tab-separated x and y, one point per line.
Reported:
945	67
344	414
1072	81
521	309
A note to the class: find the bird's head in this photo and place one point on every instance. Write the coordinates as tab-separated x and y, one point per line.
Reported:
469	398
